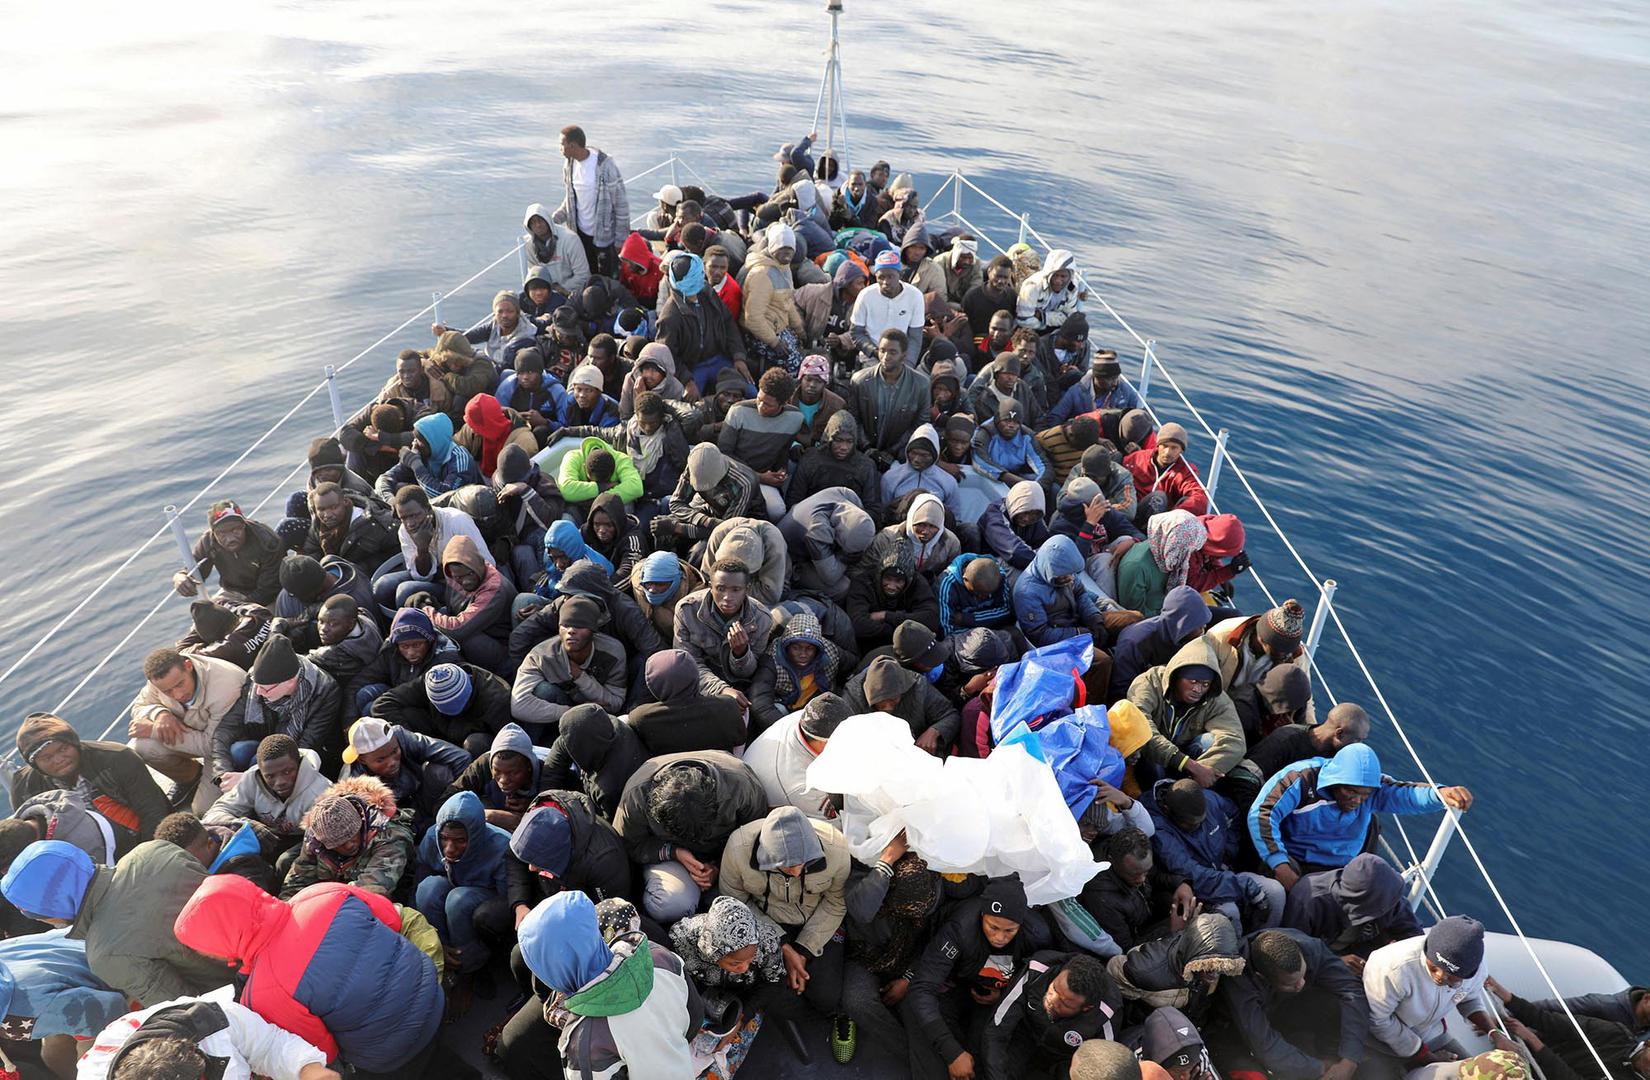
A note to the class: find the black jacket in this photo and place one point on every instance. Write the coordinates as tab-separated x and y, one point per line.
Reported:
1123	912
741	799
1020	1029
1250	1003
818	470
112	770
1349	912
865	596
595	753
625	619
253	571
1564	1056
599	866
697	332
369	539
487	711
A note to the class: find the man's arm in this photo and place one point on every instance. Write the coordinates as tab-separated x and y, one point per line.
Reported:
1282	1058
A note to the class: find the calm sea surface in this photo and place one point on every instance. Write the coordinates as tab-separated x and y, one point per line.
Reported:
1397	248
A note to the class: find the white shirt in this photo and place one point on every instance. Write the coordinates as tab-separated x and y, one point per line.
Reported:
1406	1008
780	759
584	192
905	312
250	1043
448	524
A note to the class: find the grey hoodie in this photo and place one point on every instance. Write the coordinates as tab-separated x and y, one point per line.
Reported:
787	839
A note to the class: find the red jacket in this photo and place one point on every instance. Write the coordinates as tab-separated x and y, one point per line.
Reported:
733	297
643	283
1179	482
1226	538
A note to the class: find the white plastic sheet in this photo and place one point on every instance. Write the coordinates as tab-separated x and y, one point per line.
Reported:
996	816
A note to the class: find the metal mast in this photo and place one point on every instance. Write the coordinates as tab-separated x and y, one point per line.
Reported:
829	106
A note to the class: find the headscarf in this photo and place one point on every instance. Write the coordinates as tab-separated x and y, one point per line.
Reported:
926	507
727	927
333	820
1173	537
912	897
662	566
691	282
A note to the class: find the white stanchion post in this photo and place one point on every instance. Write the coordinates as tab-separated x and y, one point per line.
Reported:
1145	383
674	179
180	536
1216	462
521	260
1417	884
956	194
1320	617
435	304
1025	227
338	416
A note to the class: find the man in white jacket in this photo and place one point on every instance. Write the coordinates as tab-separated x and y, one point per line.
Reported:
1412	985
180	1038
780	756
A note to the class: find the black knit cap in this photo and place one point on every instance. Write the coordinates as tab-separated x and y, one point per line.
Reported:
303	577
325	452
212	622
276	662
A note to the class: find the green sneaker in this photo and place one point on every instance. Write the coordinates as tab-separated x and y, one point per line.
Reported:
844	1039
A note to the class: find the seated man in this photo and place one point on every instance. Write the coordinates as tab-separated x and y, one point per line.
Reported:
1412	985
757	545
801	664
412	647
675	817
1298	1010
890	398
194	1037
1315	814
1050	605
417	769
597	466
1164	479
1195	730
759	434
1188	963
308	583
349	641
246	553
176	715
676	715
893	306
596	753
1562	1052
1058	1000
973	593
1063	446
287	695
424	533
338	526
463	704
505	778
1004	450
462	883
826	534
887	687
1345	724
836	461
711	490
474	608
1197	837
1354	910
222	633
1016	526
780	756
1249	647
920	470
725	631
51	998
889	594
564	843
124	914
274	793
1135	899
354	834
434	461
575	667
111	777
1152	642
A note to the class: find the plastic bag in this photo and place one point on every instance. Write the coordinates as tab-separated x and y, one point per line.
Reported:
1039	686
1077	749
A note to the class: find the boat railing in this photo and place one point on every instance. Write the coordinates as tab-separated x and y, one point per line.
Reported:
1418	869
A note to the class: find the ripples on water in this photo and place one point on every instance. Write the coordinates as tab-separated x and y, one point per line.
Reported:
1397	249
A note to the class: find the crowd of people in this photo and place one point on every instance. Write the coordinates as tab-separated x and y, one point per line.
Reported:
519	697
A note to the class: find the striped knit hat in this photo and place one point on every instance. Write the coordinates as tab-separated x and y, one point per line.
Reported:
449	688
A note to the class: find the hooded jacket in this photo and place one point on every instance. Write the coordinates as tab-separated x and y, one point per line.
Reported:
644	277
819	469
307	963
560	257
456	374
122	789
810	906
565	537
251	800
1174	726
1354	909
1047	612
612	207
564	834
1203	856
902	478
865	597
660	480
780	686
125	919
632	1008
1154	641
1012	545
1165	971
760	546
446	467
601	680
1406	1008
1178	482
384	858
67	815
488	428
702	632
671	389
920	705
44	978
309	715
1294	818
1039	306
253	572
931	561
770	301
428	767
482	866
696	511
478	778
826	534
595	752
680	718
740	800
574	477
1253	1004
1241	668
625	550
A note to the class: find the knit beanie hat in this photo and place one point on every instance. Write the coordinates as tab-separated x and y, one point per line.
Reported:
729	379
885	679
448	687
586	375
334	820
1009	362
513	464
303	578
1098	459
1009	409
1172	432
411	623
49	878
41	728
529	359
325	452
887	260
389	419
276	662
1285	688
1105	362
706	467
1456	944
1081	490
1280	629
580	612
293	531
598	465
212	622
958	424
1134	426
822	714
1185	802
918	646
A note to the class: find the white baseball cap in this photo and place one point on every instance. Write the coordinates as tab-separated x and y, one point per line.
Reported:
366	735
670	194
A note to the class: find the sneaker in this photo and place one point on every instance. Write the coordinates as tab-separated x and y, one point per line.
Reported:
844	1039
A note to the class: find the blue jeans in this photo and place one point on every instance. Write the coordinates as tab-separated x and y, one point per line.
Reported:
365	696
393	583
464	916
243	753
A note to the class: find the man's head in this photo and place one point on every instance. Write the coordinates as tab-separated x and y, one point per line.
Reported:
171	1058
1003	909
511	772
983	577
891	348
1130	853
332	507
1079	987
1347	723
585	385
572	143
412	634
171	673
48	880
326	462
920	452
185	830
682	797
729	584
1192	683
773	391
336	823
893	579
372	744
812	378
879	174
886	270
1277	958
278	765
820	718
337	618
412	509
1007	374
1278	632
1009	418
506	310
1106	371
409	370
50	744
716	265
227	525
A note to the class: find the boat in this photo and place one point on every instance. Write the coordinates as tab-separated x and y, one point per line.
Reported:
1531	967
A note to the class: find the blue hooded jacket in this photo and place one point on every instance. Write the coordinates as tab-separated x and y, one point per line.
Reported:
1293	818
45	977
50	878
1154	641
565	537
544	839
450	465
1035	594
482	865
1204	855
562	943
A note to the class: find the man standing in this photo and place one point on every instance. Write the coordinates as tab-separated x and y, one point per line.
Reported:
595	205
